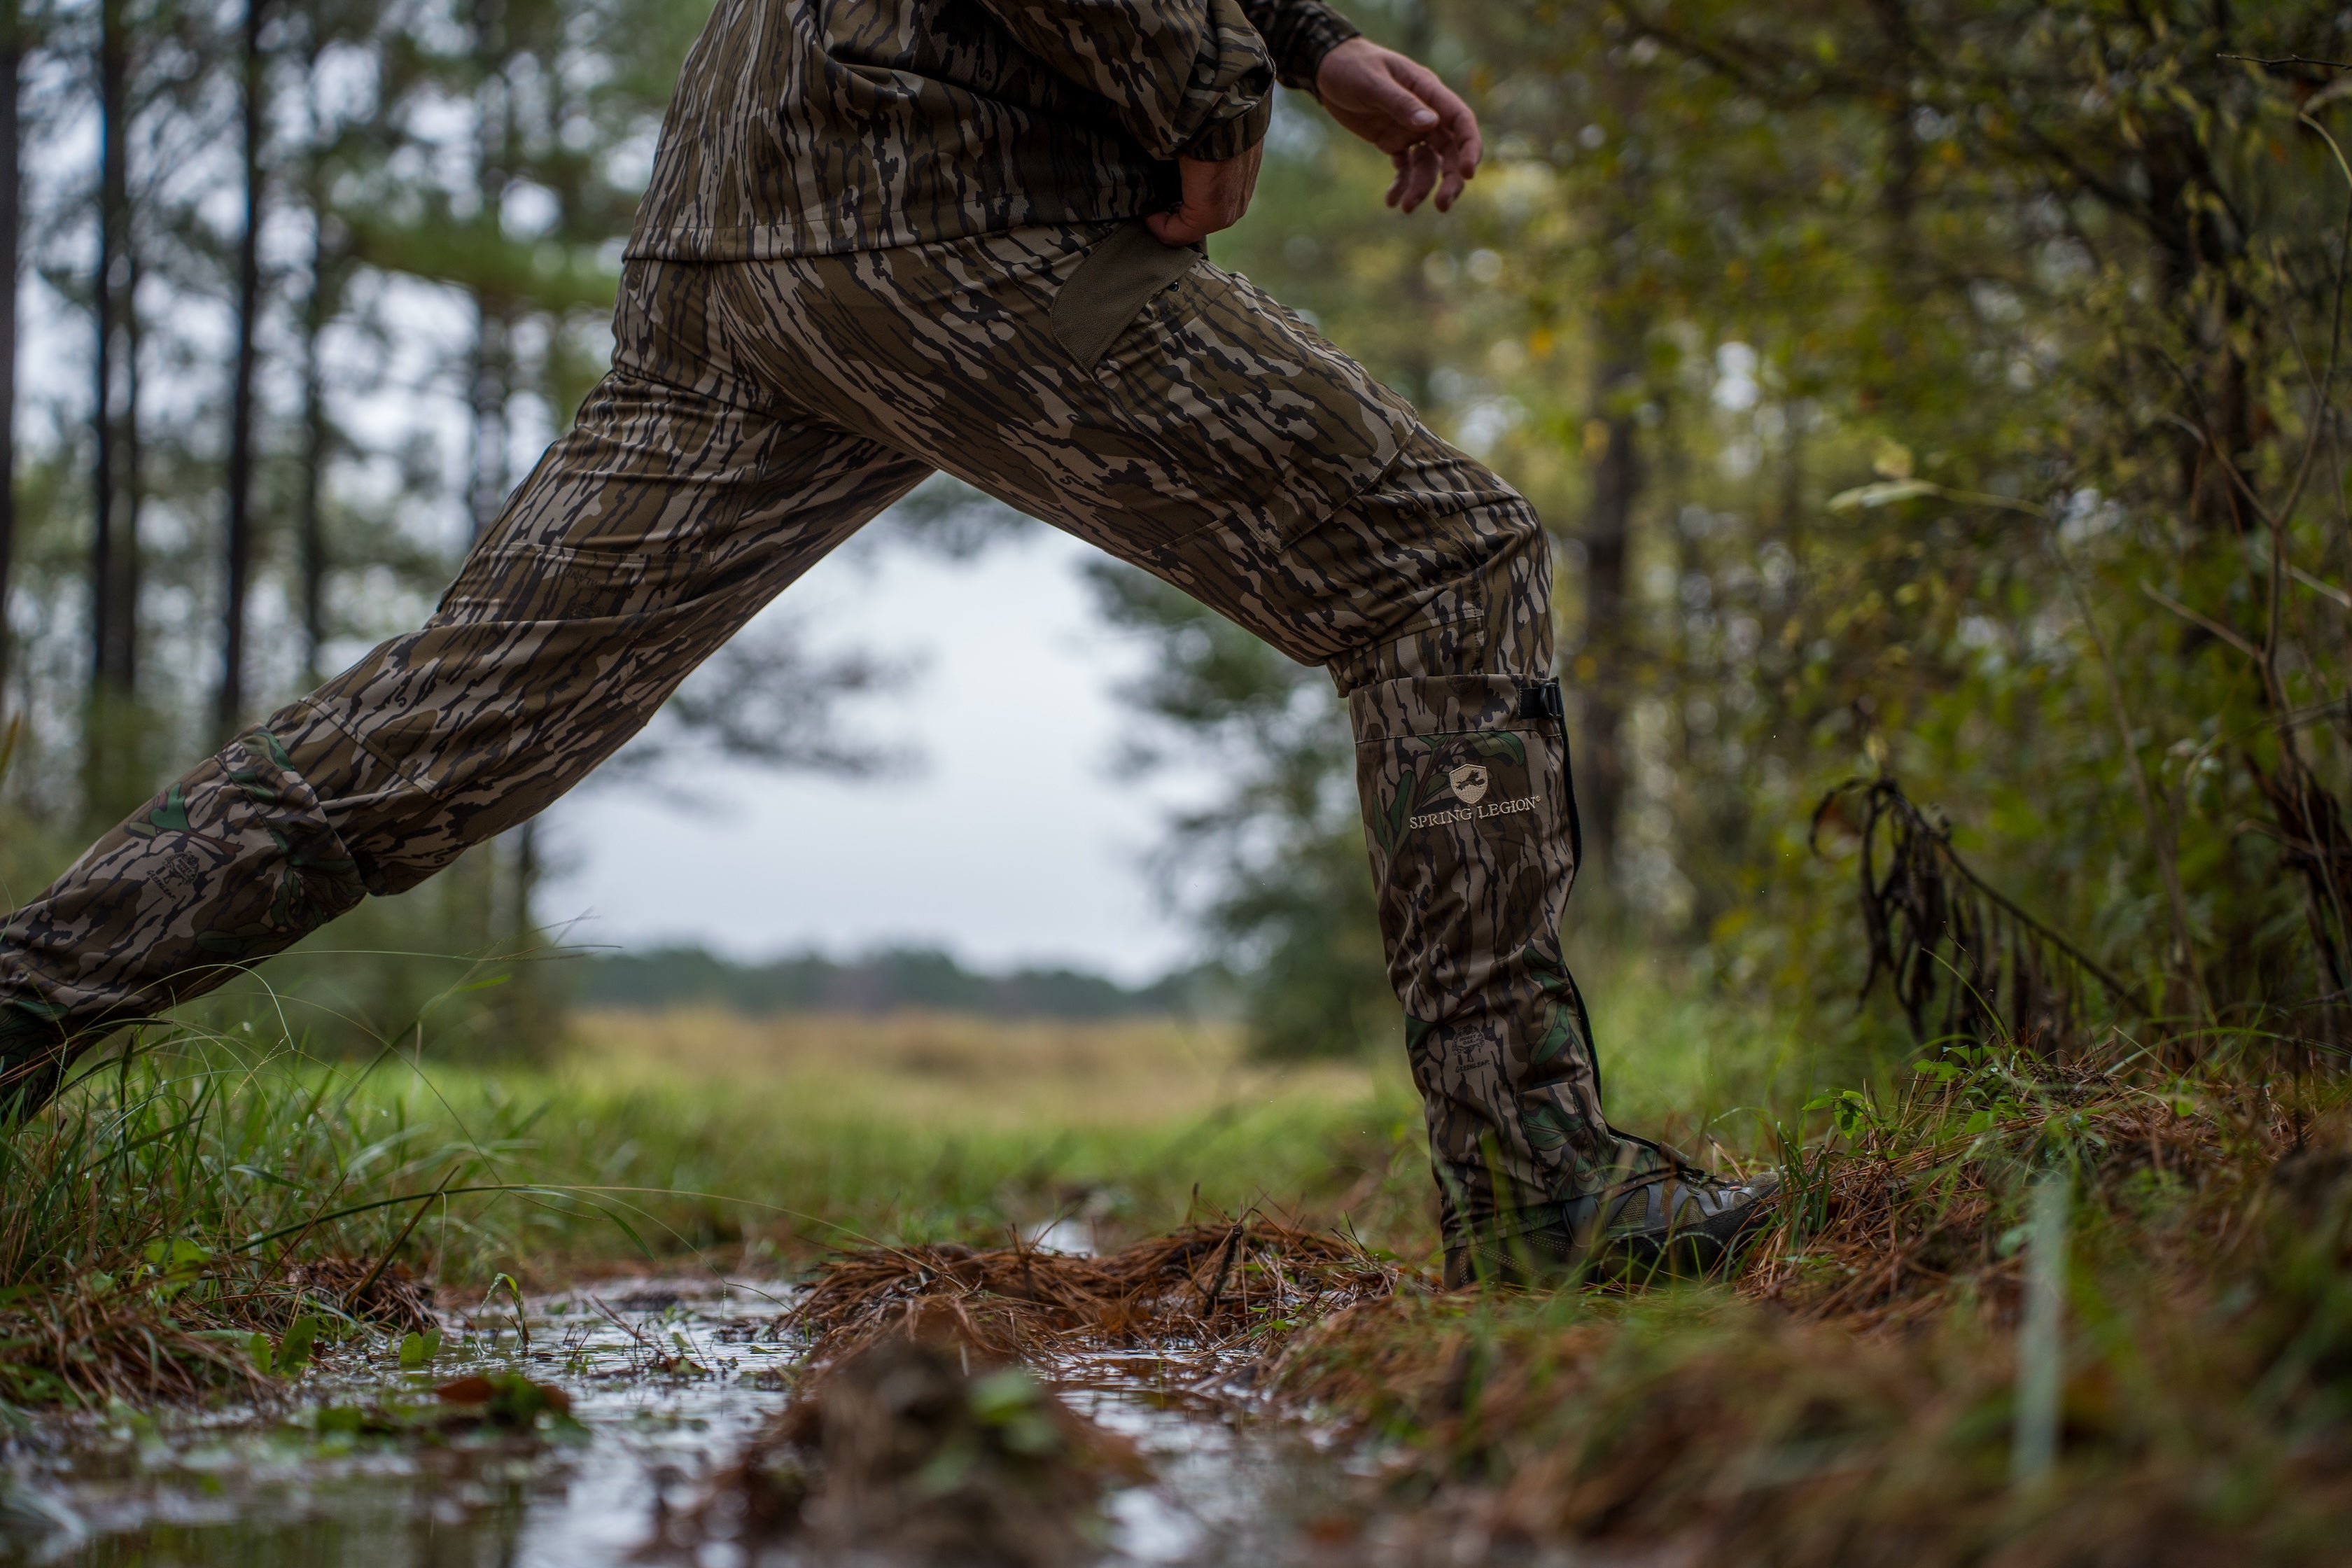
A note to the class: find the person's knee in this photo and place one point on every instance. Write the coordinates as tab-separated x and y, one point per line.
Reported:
1480	601
1515	586
395	832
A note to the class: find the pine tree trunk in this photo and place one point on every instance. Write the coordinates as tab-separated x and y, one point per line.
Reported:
312	521
1612	446
114	555
12	193
114	776
491	369
113	68
1612	436
493	388
317	309
238	561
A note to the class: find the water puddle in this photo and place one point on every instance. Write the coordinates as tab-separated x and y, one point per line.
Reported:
667	1381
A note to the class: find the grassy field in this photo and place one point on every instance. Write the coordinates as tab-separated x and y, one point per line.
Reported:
931	1073
927	1127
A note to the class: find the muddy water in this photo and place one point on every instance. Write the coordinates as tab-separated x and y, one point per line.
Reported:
667	1381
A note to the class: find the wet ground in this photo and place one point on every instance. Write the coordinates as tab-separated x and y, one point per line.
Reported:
665	1382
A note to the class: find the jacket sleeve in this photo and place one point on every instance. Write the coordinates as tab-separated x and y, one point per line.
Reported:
1189	77
1298	34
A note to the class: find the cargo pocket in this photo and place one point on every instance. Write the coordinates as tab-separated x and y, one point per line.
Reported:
1112	285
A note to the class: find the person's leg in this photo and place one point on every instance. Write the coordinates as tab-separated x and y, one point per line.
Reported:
1188	423
685	498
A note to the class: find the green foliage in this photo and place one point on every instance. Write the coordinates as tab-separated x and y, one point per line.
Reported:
417	1350
292	1353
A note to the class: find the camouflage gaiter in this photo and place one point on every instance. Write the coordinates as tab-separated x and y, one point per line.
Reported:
1471	821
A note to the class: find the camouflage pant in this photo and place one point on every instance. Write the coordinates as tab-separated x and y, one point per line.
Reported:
757	414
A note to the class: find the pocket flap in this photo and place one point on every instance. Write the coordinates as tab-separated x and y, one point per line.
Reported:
1112	284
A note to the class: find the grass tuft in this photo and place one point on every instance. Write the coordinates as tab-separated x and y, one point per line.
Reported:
178	1204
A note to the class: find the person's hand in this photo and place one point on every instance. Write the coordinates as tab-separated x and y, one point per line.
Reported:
1215	196
1403	109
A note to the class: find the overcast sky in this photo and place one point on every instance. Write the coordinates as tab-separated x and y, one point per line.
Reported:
1012	843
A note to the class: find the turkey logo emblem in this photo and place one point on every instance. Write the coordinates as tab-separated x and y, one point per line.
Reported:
1469	782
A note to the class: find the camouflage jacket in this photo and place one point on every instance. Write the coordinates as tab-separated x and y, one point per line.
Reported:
803	127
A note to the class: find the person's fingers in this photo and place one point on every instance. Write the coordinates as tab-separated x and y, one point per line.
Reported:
1455	132
1215	194
1246	187
1401	107
1461	145
1410	185
1447	112
1459	163
1174	228
1419	176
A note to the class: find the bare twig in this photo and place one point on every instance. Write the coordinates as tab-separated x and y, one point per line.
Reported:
2205	623
2287	60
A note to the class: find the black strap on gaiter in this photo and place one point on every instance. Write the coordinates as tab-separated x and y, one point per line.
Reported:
1542	701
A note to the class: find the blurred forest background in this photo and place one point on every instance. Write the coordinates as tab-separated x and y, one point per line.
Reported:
1935	391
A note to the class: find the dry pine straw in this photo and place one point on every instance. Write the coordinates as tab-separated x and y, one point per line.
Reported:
1206	1289
1888	1235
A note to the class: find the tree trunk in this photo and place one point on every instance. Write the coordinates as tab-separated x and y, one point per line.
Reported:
114	552
312	521
114	774
493	388
492	375
238	560
492	381
1611	445
317	309
12	61
113	69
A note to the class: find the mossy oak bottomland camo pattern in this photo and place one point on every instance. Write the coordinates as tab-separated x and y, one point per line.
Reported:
859	263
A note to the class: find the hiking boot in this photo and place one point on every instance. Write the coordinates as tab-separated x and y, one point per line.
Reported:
1673	1222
